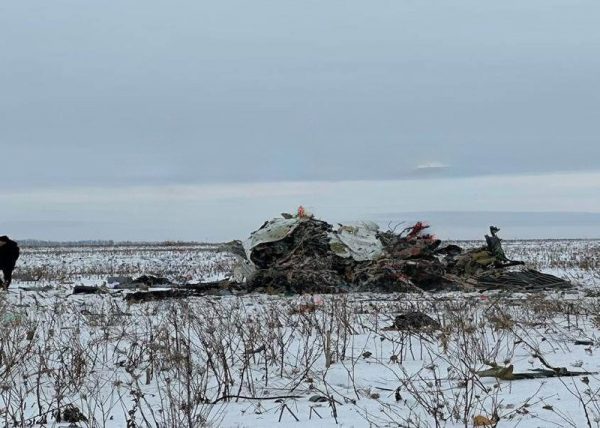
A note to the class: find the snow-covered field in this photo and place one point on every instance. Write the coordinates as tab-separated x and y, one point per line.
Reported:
261	360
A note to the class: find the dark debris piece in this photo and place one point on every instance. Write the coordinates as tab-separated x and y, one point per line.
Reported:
215	288
523	280
87	289
70	413
415	321
151	280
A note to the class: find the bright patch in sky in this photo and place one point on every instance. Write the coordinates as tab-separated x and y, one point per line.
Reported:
432	165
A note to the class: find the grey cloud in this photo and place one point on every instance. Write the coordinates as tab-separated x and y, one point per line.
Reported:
151	92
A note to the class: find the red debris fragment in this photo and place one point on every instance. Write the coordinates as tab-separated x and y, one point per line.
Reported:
417	229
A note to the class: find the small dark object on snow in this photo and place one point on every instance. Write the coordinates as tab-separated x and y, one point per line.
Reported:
151	280
69	413
397	395
9	254
415	321
87	289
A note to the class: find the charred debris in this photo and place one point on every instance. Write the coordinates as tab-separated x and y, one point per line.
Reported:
302	254
296	254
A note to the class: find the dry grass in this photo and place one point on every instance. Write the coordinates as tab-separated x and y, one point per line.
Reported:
186	363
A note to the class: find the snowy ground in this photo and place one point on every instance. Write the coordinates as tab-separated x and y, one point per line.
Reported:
264	360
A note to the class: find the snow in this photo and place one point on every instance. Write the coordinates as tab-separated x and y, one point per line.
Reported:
170	363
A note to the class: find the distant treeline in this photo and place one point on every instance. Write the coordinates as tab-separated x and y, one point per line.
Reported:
36	243
110	243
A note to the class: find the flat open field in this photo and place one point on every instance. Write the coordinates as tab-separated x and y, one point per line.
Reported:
263	360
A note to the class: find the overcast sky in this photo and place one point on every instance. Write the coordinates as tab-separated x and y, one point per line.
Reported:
114	107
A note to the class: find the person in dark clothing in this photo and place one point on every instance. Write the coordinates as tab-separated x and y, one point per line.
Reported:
9	253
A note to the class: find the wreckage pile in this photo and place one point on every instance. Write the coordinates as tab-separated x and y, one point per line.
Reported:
301	254
295	254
